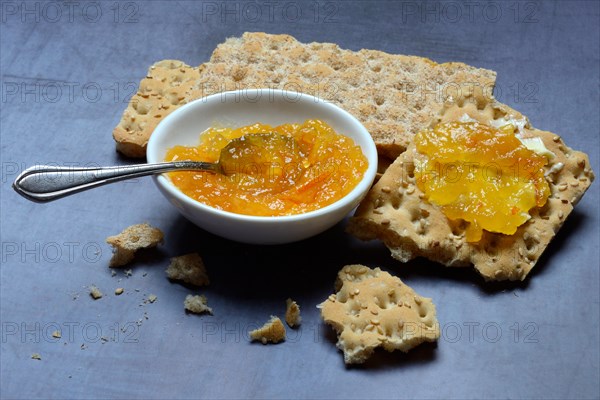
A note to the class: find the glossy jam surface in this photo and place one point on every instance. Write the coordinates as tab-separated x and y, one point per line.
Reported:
480	174
305	167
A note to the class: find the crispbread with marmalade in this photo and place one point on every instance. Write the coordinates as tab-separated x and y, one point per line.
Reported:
396	211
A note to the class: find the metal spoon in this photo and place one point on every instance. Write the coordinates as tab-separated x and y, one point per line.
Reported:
43	183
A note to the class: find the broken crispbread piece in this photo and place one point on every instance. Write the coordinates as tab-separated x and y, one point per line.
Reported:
167	86
292	313
188	268
132	239
271	332
373	308
394	96
197	304
396	211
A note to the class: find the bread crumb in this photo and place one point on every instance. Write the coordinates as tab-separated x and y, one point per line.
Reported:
188	268
152	298
132	239
197	304
36	356
119	291
271	332
95	293
292	313
56	334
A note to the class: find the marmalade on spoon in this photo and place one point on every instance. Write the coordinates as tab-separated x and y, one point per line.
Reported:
272	177
480	174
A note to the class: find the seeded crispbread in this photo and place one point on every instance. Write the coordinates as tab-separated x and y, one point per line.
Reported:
393	95
396	211
373	308
167	86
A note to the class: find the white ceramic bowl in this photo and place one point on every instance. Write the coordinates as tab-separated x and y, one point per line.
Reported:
245	107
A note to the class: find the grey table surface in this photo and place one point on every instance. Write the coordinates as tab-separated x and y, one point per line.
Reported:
68	69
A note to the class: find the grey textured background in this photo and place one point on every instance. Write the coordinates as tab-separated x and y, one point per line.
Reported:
67	72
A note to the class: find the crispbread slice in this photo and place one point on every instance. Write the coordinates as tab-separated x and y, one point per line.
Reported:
373	308
395	96
396	212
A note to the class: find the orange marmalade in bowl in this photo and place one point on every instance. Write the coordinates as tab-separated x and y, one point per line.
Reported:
480	174
314	170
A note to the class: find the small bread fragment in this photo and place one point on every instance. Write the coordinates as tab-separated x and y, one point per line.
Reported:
132	239
396	212
292	313
36	356
197	304
394	96
188	268
271	332
95	293
375	309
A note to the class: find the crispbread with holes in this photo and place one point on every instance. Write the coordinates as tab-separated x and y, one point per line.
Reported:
394	96
396	211
167	86
373	308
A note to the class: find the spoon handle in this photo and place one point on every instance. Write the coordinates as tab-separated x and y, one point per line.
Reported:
43	183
